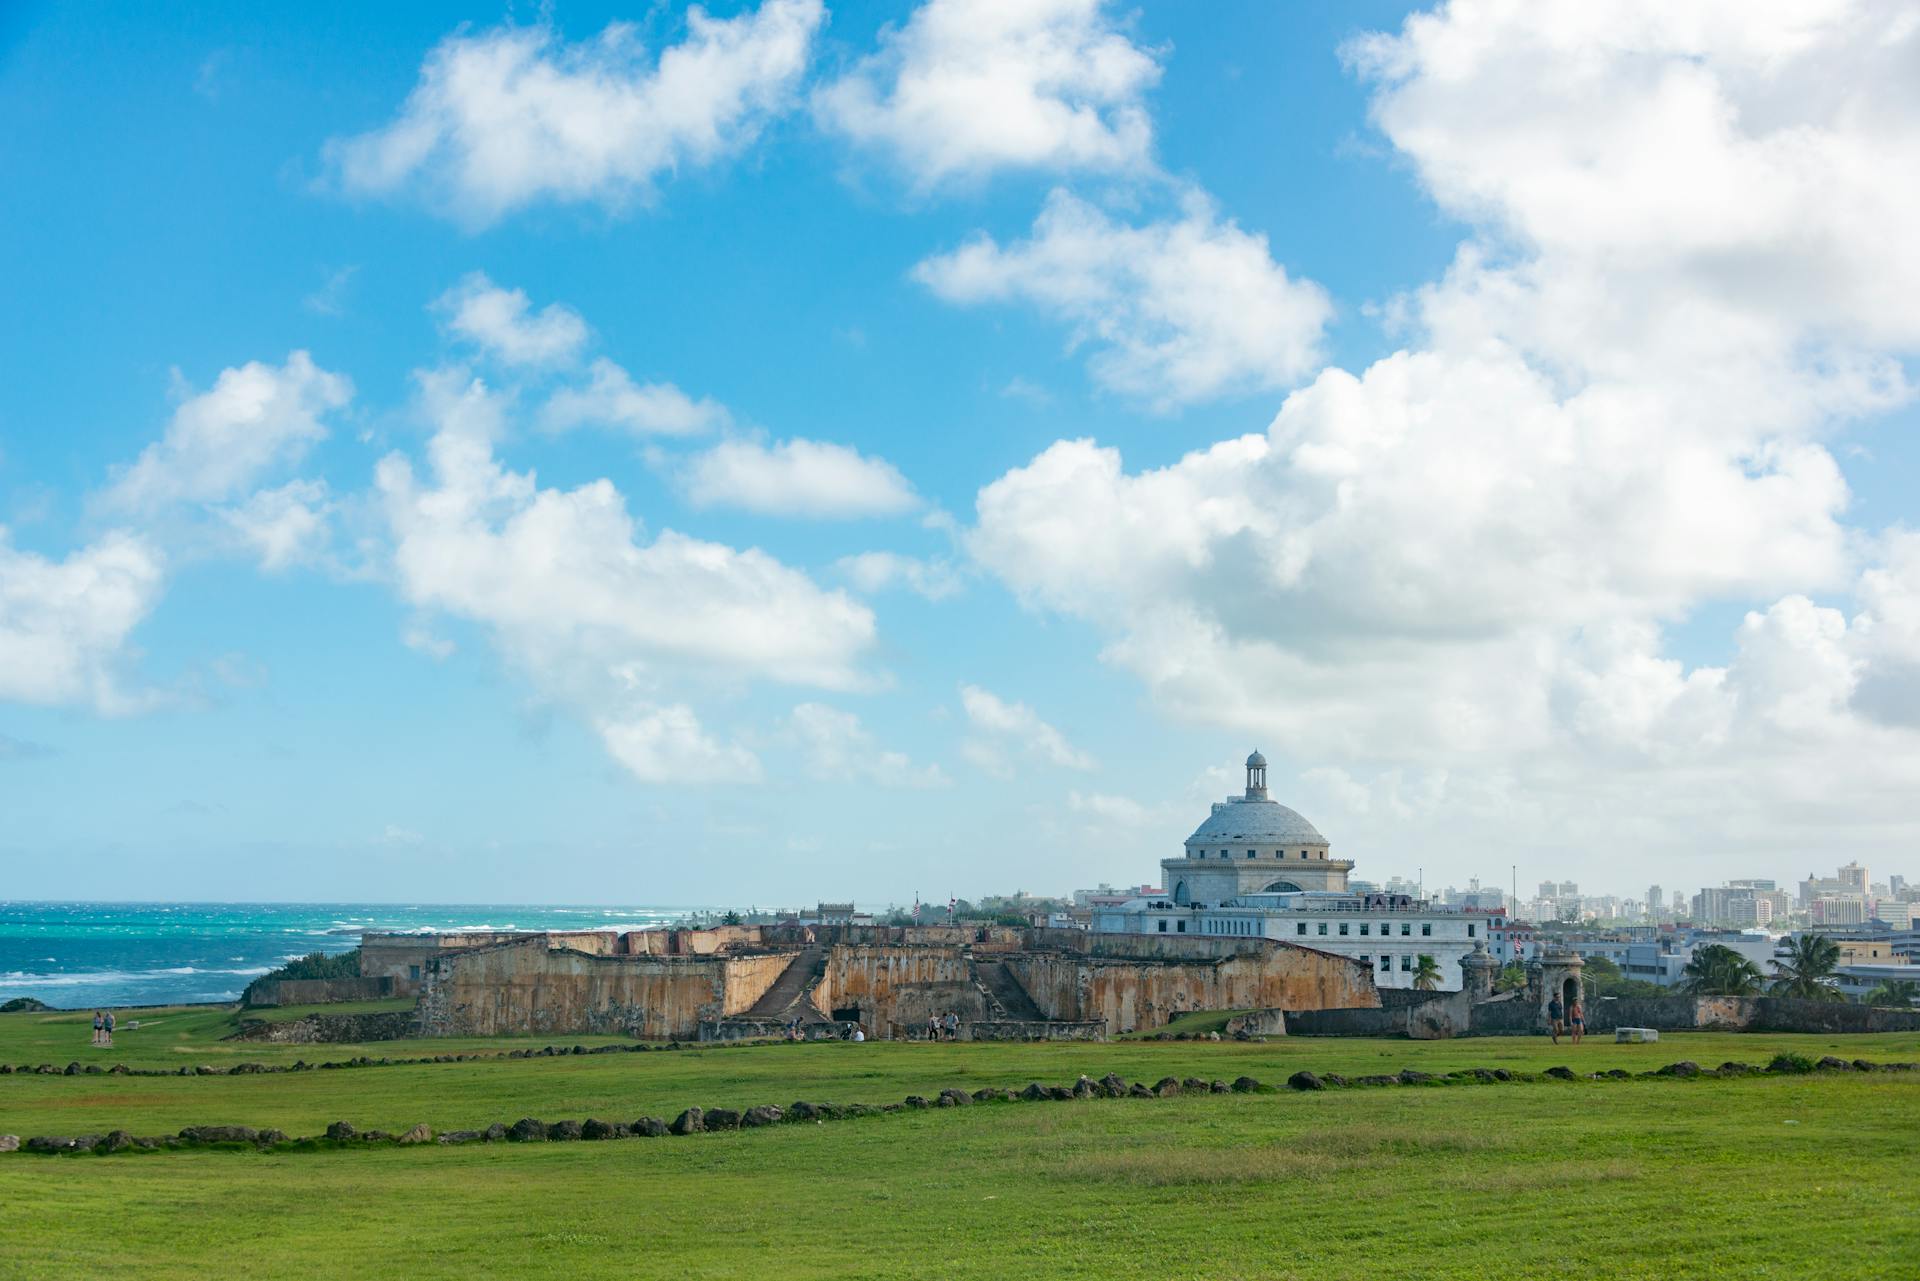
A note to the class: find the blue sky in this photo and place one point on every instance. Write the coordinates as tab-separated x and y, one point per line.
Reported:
1580	542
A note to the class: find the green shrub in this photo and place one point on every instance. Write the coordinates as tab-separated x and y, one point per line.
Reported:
314	965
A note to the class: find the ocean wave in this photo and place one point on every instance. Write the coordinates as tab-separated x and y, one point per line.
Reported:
85	978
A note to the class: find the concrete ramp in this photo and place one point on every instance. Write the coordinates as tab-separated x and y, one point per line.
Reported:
787	999
1003	990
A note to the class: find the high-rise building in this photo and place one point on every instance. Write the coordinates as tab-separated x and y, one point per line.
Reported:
1838	909
1854	877
1656	903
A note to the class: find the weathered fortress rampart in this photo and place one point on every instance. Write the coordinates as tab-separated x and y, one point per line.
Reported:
1002	983
533	986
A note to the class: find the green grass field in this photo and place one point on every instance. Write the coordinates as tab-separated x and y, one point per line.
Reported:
1754	1177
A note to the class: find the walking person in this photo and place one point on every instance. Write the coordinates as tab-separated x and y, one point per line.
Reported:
99	1025
1576	1019
933	1027
108	1042
953	1026
1556	1013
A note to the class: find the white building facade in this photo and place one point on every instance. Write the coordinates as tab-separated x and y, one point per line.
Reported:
1256	869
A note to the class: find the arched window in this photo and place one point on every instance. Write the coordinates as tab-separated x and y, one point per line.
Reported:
1180	893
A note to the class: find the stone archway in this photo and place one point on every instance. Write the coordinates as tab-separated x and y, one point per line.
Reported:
1556	972
1281	887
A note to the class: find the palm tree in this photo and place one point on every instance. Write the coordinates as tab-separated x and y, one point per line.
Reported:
1426	974
1512	977
1716	970
1806	969
1900	993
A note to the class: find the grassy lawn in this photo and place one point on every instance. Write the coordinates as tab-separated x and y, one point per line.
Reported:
660	1083
287	1013
187	1035
1751	1178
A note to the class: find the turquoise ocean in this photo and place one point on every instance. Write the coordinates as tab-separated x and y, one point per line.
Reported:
80	955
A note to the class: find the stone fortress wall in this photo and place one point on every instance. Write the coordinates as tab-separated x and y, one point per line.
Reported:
1003	983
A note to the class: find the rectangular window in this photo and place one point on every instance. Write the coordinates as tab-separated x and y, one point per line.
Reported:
1183	927
1343	929
1302	928
1386	962
1426	930
1323	927
1405	929
1365	959
1469	929
1363	929
1249	853
1406	962
413	972
1163	927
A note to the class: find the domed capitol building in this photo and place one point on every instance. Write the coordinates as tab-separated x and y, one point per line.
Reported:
1255	868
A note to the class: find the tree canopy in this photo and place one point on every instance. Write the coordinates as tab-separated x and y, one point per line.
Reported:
1718	970
1806	969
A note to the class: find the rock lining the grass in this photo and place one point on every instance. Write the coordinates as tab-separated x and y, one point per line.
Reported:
698	1120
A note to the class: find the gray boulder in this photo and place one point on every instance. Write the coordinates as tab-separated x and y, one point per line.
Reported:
692	1121
340	1130
649	1127
418	1134
527	1130
1306	1081
563	1131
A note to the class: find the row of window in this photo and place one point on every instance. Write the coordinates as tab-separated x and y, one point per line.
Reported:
1386	962
1251	928
1255	853
1386	928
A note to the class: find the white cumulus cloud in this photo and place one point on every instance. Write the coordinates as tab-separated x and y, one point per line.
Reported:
219	442
600	616
1451	578
838	748
1018	725
502	323
612	399
1176	311
797	478
669	745
967	87
284	527
874	572
503	118
65	624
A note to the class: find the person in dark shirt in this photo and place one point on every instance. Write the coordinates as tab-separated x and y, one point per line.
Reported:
1556	1014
